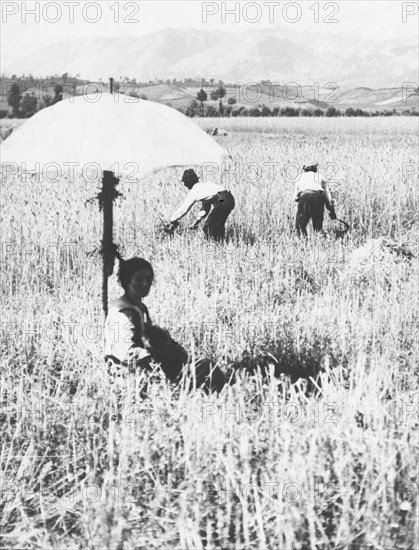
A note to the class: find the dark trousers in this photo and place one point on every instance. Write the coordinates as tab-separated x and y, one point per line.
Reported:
310	206
214	227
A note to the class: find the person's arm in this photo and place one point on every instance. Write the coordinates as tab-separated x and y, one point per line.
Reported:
184	208
330	205
206	207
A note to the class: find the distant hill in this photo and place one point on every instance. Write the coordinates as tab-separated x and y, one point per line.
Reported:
250	56
361	98
384	98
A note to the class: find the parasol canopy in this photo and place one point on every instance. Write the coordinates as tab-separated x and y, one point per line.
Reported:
116	133
119	133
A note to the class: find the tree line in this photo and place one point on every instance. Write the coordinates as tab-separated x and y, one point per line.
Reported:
200	107
26	104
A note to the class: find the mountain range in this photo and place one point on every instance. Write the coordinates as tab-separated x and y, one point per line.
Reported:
275	54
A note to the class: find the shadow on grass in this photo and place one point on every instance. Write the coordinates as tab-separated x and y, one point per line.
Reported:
284	359
241	236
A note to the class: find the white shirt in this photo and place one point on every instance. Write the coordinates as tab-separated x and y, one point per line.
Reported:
312	181
121	330
201	191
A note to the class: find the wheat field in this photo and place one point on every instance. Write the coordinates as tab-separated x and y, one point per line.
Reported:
267	464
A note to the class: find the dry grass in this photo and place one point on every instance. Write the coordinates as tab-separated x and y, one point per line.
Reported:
265	465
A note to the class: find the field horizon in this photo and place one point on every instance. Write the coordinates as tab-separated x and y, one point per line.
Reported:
267	463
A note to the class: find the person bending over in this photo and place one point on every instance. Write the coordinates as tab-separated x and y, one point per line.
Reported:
312	194
216	205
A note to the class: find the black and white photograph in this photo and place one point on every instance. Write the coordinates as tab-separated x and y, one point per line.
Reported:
209	279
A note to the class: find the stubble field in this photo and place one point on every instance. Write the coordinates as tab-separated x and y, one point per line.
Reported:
266	464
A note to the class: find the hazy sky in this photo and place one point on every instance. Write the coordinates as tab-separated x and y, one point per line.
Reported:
371	19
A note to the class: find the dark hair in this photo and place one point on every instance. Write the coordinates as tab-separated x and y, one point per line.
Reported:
127	268
310	168
189	177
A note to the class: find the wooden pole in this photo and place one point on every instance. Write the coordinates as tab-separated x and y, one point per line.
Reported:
107	196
